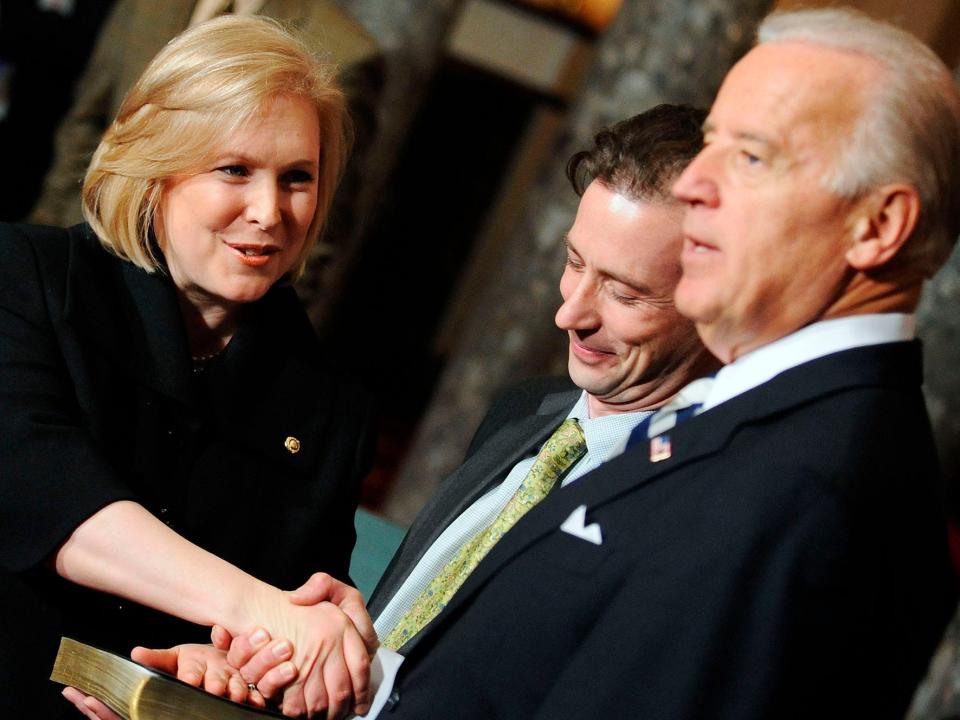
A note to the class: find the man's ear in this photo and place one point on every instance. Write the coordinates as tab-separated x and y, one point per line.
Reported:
883	223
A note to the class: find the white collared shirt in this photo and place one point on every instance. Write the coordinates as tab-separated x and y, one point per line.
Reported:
809	343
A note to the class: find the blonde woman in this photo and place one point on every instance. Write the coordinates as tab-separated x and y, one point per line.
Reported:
170	444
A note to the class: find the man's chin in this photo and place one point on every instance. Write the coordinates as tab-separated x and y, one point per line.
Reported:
695	301
592	381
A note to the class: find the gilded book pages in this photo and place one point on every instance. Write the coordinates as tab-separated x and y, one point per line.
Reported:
136	692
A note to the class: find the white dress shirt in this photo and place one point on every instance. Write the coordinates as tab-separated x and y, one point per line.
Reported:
809	343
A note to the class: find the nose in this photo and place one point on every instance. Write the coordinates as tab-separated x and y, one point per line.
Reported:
263	203
696	184
579	308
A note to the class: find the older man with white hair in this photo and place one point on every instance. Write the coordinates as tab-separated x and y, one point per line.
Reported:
828	189
781	554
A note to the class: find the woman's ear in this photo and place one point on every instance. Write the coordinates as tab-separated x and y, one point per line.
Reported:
883	223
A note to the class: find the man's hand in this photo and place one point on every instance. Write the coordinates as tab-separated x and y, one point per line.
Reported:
203	666
258	661
198	665
340	681
89	706
332	658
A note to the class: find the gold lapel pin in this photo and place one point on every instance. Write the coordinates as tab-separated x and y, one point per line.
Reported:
292	445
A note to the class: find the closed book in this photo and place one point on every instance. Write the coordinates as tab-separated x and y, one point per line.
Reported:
136	692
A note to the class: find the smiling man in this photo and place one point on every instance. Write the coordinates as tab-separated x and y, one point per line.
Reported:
630	352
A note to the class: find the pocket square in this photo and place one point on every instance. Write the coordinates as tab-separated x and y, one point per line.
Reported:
574	525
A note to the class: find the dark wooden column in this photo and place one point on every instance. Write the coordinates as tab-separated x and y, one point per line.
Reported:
411	34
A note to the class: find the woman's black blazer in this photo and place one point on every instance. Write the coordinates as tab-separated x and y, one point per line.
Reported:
257	458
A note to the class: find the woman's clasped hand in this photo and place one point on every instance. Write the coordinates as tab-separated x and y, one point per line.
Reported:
257	669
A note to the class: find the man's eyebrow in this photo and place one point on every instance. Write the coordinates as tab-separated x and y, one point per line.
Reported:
754	137
641	288
612	274
709	127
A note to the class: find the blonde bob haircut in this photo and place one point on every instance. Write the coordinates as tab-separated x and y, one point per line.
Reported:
205	85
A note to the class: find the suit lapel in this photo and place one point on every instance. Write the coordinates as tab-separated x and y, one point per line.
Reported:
131	317
895	364
488	466
491	463
164	362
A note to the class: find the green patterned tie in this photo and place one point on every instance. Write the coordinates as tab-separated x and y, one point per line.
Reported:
559	453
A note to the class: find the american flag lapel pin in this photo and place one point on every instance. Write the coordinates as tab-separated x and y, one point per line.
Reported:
659	448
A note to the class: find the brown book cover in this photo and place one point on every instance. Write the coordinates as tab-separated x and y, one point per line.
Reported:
136	692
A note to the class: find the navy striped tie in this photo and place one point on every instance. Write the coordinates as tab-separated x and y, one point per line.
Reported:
687	403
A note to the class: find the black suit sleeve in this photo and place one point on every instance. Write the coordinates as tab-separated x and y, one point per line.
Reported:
51	476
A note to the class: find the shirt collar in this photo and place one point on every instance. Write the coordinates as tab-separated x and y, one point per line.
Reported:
809	343
606	435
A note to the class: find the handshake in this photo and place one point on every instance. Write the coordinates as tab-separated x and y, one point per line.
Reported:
316	663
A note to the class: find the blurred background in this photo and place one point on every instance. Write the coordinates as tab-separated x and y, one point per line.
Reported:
436	282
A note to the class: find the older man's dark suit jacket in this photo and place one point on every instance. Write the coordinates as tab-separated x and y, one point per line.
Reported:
788	560
98	403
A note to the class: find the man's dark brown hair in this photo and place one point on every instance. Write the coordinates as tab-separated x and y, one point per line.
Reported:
642	156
